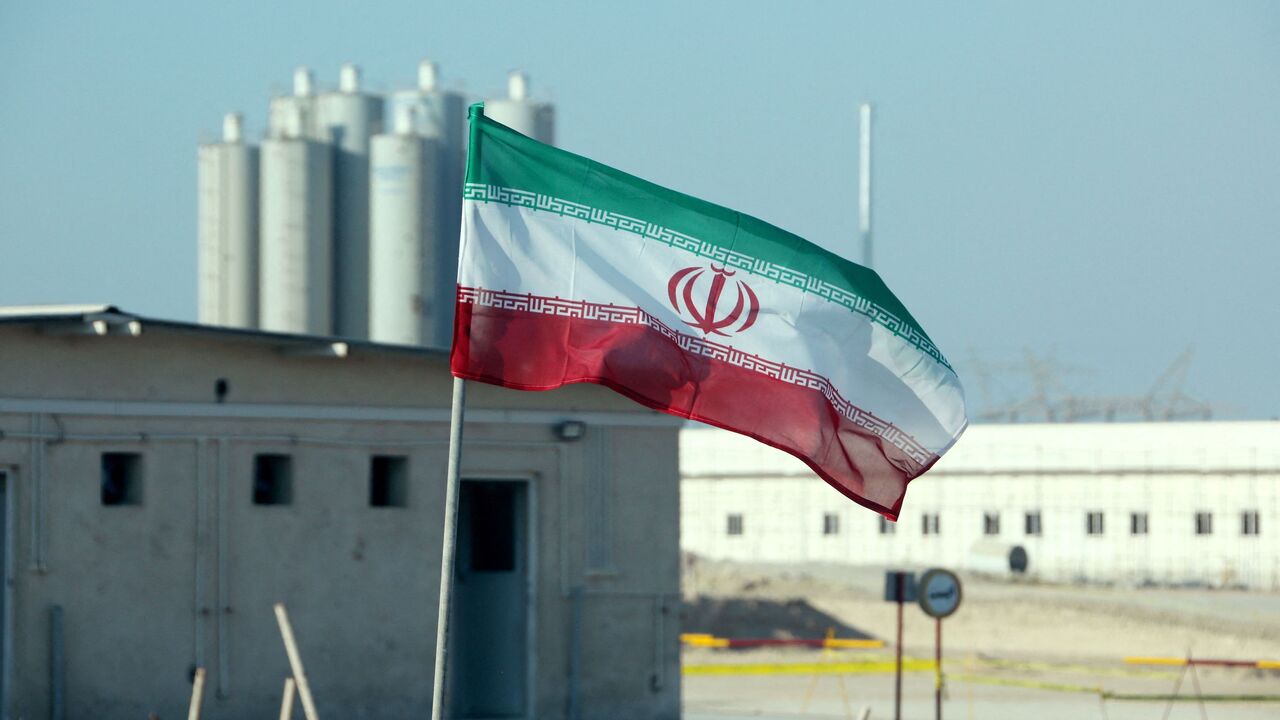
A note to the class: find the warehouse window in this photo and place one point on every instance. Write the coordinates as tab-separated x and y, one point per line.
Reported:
929	524
1031	522
991	523
830	524
272	480
887	527
121	479
735	523
1204	523
1249	523
1137	523
1093	522
388	481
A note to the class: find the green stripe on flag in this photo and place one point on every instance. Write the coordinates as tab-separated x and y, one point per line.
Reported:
505	166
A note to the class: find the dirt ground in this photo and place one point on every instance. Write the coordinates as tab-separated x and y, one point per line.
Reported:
1014	649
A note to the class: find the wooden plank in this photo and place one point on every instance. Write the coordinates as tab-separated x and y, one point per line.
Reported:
295	661
197	695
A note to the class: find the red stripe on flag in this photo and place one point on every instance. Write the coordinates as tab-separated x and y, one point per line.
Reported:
532	351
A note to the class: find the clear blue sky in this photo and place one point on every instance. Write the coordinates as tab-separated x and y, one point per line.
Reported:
1099	179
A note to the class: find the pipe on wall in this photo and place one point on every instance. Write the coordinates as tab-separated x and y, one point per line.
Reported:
198	530
38	439
224	603
57	665
574	710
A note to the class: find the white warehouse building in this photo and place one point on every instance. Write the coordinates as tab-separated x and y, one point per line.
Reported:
1164	503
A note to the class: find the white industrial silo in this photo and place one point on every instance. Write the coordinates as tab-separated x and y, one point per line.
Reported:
439	115
349	117
296	232
517	111
296	115
228	229
411	290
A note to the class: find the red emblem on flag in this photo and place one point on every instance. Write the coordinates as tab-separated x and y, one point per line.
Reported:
699	298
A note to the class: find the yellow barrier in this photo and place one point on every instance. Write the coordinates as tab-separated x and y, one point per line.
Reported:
1259	664
858	644
703	640
875	667
1155	661
707	640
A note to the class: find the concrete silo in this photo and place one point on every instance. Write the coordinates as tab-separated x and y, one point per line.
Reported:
348	118
296	115
517	111
296	231
228	229
411	282
439	116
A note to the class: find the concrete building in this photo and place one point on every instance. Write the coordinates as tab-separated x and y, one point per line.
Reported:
1185	502
163	484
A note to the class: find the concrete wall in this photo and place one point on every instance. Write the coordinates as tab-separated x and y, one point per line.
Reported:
1170	471
189	576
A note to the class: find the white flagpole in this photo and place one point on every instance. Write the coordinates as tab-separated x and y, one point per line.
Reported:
450	542
864	183
449	545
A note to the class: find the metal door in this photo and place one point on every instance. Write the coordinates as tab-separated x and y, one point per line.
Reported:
489	652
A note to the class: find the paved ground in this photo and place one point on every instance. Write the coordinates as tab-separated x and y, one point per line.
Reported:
1022	620
1009	644
764	698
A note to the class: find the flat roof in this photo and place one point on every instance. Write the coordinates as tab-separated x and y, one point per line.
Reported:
111	320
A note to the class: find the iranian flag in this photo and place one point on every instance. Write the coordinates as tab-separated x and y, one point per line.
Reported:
572	272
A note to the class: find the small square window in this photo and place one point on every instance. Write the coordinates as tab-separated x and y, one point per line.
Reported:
388	481
830	524
735	523
272	480
1093	522
1204	523
1249	523
887	527
1137	523
991	523
929	524
1031	523
121	482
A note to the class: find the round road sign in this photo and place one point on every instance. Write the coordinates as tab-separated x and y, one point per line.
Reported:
939	592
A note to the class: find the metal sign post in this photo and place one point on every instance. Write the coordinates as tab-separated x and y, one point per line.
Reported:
897	655
939	597
899	587
937	668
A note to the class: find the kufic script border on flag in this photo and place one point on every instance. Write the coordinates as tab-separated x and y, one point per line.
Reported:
869	309
704	347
